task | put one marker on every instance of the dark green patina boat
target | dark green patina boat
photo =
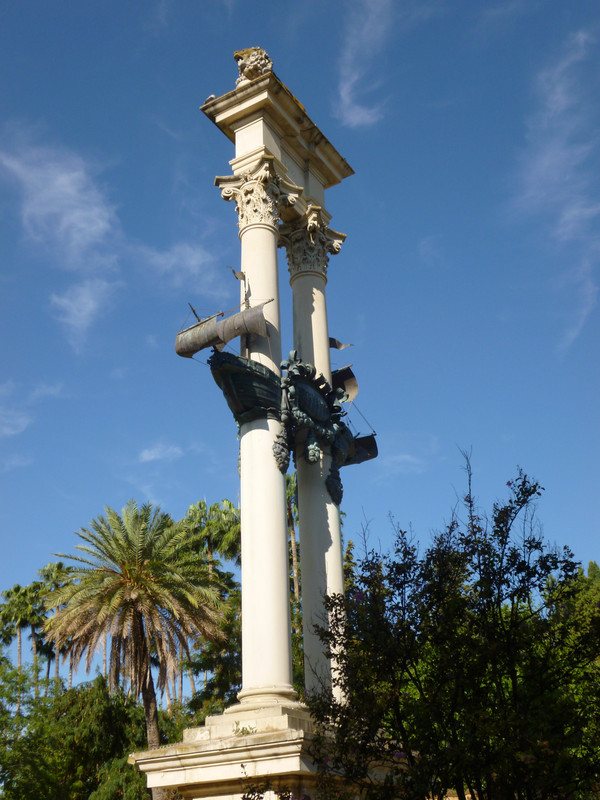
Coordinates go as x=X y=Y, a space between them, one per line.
x=252 y=390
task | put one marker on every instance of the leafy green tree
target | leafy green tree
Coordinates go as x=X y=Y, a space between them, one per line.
x=593 y=572
x=349 y=568
x=140 y=579
x=472 y=668
x=70 y=746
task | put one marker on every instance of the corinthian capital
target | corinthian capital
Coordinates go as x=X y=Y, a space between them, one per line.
x=309 y=243
x=259 y=194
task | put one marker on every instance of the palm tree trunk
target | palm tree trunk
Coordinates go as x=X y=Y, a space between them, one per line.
x=56 y=654
x=152 y=731
x=181 y=655
x=168 y=691
x=19 y=669
x=191 y=677
x=36 y=677
x=294 y=549
x=47 y=675
x=104 y=646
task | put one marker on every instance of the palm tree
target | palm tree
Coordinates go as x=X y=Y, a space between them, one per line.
x=36 y=616
x=22 y=608
x=54 y=576
x=13 y=614
x=138 y=578
x=217 y=527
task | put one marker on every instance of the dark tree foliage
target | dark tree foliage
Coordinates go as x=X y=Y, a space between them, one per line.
x=72 y=745
x=472 y=668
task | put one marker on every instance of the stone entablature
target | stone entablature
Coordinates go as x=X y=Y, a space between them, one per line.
x=263 y=117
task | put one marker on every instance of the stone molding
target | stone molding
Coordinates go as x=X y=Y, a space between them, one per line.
x=232 y=753
x=309 y=242
x=259 y=194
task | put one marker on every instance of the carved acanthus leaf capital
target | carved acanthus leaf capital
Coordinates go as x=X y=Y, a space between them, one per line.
x=309 y=242
x=259 y=194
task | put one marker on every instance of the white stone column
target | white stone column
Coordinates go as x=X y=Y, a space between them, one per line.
x=266 y=631
x=309 y=244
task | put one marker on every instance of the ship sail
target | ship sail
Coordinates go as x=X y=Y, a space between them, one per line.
x=216 y=332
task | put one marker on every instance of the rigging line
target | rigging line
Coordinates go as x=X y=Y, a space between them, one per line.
x=363 y=416
x=199 y=361
x=236 y=307
x=185 y=322
x=352 y=425
x=187 y=317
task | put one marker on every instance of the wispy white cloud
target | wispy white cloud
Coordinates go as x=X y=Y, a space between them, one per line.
x=585 y=287
x=368 y=27
x=13 y=421
x=429 y=251
x=495 y=18
x=16 y=405
x=405 y=463
x=366 y=30
x=557 y=179
x=66 y=212
x=185 y=265
x=81 y=305
x=43 y=390
x=408 y=453
x=159 y=16
x=63 y=206
x=7 y=388
x=173 y=134
x=14 y=461
x=160 y=452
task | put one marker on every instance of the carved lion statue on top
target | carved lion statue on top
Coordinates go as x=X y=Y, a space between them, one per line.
x=252 y=63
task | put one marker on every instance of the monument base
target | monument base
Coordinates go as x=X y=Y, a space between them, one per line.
x=240 y=751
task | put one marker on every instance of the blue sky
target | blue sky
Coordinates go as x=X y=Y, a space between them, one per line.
x=468 y=283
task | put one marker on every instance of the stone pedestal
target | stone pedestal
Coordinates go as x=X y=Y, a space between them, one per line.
x=266 y=749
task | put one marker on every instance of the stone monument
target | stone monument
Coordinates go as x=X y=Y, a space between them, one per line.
x=282 y=166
